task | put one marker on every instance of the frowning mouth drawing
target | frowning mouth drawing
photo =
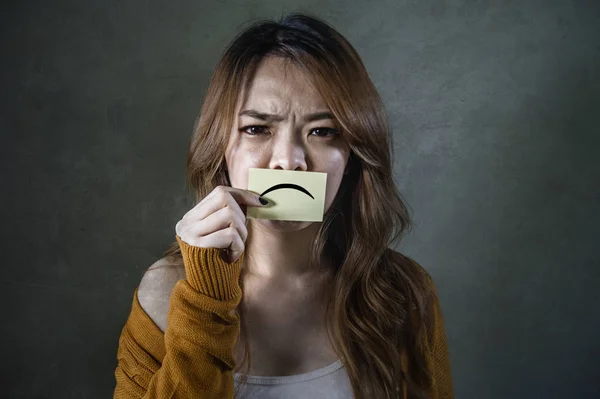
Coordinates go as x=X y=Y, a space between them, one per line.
x=287 y=185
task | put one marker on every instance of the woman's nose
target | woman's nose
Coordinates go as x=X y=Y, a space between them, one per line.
x=289 y=151
x=289 y=157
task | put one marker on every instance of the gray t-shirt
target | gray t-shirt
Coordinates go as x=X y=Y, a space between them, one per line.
x=329 y=382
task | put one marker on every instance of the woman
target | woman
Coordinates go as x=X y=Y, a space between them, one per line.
x=325 y=305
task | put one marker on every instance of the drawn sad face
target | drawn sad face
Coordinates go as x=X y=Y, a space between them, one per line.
x=293 y=195
x=287 y=185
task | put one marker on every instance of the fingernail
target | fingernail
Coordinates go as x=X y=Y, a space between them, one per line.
x=263 y=201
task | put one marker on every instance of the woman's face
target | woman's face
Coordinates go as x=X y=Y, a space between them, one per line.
x=288 y=141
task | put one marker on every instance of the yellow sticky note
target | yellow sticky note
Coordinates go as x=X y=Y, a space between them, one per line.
x=293 y=195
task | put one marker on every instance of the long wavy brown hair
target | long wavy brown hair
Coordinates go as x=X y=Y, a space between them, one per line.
x=375 y=310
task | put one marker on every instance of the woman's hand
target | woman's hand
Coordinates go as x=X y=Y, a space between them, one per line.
x=219 y=221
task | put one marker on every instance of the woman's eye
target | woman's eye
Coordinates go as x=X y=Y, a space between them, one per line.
x=247 y=128
x=325 y=131
x=320 y=132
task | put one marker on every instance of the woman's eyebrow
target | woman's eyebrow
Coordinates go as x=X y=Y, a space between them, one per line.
x=278 y=118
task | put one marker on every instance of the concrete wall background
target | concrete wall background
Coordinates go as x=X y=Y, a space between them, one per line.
x=495 y=116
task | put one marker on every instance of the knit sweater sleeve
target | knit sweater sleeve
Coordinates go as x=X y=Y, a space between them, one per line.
x=194 y=356
x=439 y=359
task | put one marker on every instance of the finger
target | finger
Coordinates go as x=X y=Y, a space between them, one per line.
x=221 y=219
x=222 y=197
x=227 y=238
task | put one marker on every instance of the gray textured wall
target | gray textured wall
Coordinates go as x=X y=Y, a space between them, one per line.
x=495 y=115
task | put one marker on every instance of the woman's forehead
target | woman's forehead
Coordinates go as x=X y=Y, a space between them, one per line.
x=274 y=90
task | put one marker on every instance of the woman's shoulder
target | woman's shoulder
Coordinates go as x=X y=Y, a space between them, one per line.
x=427 y=292
x=412 y=266
x=154 y=290
x=422 y=281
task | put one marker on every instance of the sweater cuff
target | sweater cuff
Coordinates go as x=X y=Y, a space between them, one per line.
x=208 y=273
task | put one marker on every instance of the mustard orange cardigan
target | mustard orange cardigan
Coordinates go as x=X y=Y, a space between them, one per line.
x=193 y=359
